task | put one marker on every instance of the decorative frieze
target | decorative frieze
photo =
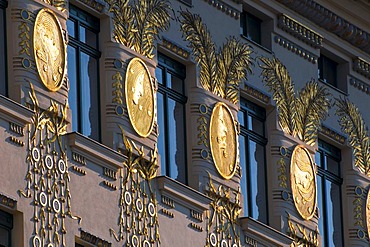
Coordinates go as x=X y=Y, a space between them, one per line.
x=196 y=227
x=360 y=85
x=109 y=185
x=167 y=201
x=79 y=158
x=196 y=215
x=15 y=128
x=332 y=134
x=361 y=66
x=94 y=240
x=175 y=48
x=296 y=49
x=79 y=170
x=8 y=202
x=255 y=93
x=302 y=235
x=332 y=22
x=109 y=173
x=25 y=33
x=299 y=31
x=227 y=9
x=98 y=5
x=250 y=241
x=167 y=213
x=358 y=207
x=16 y=141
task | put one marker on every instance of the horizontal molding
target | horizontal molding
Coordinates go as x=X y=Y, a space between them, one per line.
x=330 y=21
x=227 y=9
x=296 y=49
x=7 y=201
x=300 y=31
x=361 y=66
x=332 y=134
x=255 y=93
x=360 y=85
x=175 y=48
x=93 y=239
x=97 y=5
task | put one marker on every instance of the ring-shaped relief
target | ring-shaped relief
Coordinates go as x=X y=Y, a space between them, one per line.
x=223 y=140
x=368 y=212
x=36 y=241
x=62 y=166
x=224 y=243
x=213 y=239
x=146 y=243
x=56 y=205
x=235 y=245
x=139 y=205
x=35 y=154
x=135 y=241
x=50 y=245
x=151 y=209
x=140 y=97
x=43 y=199
x=49 y=161
x=303 y=182
x=128 y=198
x=49 y=49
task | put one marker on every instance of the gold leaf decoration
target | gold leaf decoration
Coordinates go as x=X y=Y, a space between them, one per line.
x=137 y=25
x=354 y=126
x=220 y=72
x=300 y=115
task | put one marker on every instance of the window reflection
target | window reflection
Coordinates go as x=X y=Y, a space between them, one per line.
x=171 y=118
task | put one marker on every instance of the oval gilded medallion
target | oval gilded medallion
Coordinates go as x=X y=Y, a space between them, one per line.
x=368 y=212
x=49 y=49
x=303 y=182
x=140 y=98
x=223 y=140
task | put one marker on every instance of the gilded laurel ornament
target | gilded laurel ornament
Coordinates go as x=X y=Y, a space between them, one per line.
x=223 y=140
x=140 y=97
x=368 y=213
x=303 y=182
x=49 y=49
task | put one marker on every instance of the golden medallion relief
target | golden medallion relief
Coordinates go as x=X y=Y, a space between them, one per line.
x=368 y=212
x=49 y=49
x=303 y=182
x=223 y=140
x=140 y=99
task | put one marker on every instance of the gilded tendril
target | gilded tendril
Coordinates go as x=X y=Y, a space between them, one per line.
x=300 y=115
x=220 y=72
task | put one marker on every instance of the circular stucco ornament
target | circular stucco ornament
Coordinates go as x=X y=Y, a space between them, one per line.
x=303 y=182
x=140 y=98
x=223 y=140
x=49 y=49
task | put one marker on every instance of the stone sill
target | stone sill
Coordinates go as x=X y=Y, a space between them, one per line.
x=95 y=151
x=13 y=111
x=182 y=194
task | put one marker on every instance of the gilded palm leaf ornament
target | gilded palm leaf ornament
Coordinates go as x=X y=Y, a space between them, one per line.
x=298 y=116
x=352 y=123
x=138 y=24
x=220 y=72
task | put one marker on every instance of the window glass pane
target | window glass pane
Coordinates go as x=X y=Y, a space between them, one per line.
x=241 y=117
x=161 y=138
x=257 y=181
x=2 y=52
x=176 y=140
x=72 y=94
x=318 y=159
x=333 y=216
x=332 y=165
x=88 y=37
x=71 y=28
x=320 y=206
x=175 y=83
x=243 y=182
x=255 y=125
x=158 y=75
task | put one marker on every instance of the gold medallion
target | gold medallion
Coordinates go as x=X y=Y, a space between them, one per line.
x=223 y=140
x=303 y=182
x=140 y=98
x=368 y=212
x=49 y=49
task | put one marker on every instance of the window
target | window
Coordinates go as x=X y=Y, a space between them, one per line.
x=3 y=69
x=328 y=70
x=6 y=226
x=171 y=118
x=329 y=200
x=252 y=143
x=251 y=27
x=83 y=72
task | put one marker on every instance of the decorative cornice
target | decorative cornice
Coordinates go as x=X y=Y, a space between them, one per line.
x=255 y=93
x=333 y=134
x=92 y=239
x=360 y=85
x=196 y=227
x=110 y=185
x=327 y=19
x=16 y=141
x=15 y=128
x=175 y=48
x=97 y=5
x=7 y=201
x=79 y=158
x=168 y=213
x=79 y=170
x=361 y=66
x=227 y=9
x=109 y=173
x=299 y=31
x=296 y=49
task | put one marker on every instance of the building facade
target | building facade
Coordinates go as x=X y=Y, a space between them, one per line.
x=184 y=123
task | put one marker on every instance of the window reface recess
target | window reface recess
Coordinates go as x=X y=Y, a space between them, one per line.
x=3 y=68
x=252 y=144
x=251 y=27
x=328 y=70
x=6 y=225
x=329 y=201
x=83 y=72
x=171 y=101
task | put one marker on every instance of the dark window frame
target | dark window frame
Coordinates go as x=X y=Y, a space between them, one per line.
x=328 y=70
x=326 y=151
x=250 y=23
x=6 y=223
x=80 y=18
x=249 y=109
x=166 y=66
